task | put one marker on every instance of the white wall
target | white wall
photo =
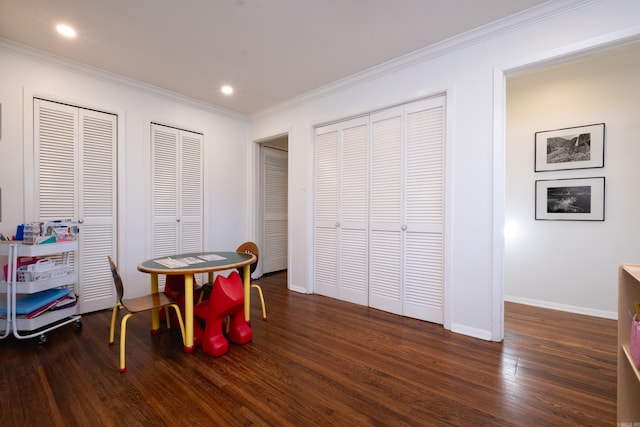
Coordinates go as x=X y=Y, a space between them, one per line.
x=573 y=265
x=225 y=137
x=465 y=71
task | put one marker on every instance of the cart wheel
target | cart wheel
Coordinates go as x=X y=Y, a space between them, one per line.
x=78 y=324
x=42 y=339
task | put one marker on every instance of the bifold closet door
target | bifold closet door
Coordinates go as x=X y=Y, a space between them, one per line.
x=176 y=182
x=406 y=216
x=387 y=198
x=423 y=259
x=379 y=209
x=75 y=178
x=341 y=211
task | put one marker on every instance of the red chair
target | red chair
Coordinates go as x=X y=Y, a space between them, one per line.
x=226 y=300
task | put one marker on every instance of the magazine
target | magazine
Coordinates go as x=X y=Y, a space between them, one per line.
x=170 y=262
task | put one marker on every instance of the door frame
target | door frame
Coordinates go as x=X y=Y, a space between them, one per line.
x=500 y=74
x=29 y=94
x=257 y=198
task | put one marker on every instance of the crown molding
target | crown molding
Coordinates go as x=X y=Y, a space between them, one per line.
x=542 y=12
x=21 y=50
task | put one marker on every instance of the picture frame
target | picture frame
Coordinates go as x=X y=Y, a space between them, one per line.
x=579 y=147
x=572 y=199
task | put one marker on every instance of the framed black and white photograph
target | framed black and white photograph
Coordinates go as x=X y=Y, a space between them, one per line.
x=570 y=148
x=579 y=199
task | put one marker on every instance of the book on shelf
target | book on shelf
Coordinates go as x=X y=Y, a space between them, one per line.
x=37 y=312
x=65 y=302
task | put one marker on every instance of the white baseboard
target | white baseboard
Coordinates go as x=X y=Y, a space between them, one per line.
x=563 y=307
x=472 y=332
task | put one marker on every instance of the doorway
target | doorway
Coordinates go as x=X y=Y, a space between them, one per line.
x=540 y=266
x=273 y=224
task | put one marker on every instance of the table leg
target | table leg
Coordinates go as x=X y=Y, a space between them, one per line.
x=155 y=317
x=188 y=313
x=247 y=293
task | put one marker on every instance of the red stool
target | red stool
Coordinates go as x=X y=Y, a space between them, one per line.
x=226 y=300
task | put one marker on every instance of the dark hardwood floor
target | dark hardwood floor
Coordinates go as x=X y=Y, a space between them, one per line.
x=319 y=362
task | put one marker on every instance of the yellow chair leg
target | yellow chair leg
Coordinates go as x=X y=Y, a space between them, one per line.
x=264 y=309
x=114 y=314
x=123 y=335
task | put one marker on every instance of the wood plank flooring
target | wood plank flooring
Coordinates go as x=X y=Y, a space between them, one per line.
x=319 y=362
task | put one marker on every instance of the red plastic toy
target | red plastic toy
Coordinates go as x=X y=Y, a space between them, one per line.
x=226 y=300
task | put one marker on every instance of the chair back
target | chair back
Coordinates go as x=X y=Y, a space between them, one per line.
x=251 y=248
x=117 y=280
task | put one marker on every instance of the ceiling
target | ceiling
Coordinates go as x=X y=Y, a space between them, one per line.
x=268 y=50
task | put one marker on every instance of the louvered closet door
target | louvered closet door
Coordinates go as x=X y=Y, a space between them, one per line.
x=191 y=192
x=342 y=211
x=326 y=212
x=407 y=190
x=75 y=162
x=354 y=213
x=176 y=176
x=275 y=175
x=385 y=246
x=424 y=210
x=165 y=182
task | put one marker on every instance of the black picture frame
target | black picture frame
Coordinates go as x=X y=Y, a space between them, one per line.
x=570 y=199
x=579 y=147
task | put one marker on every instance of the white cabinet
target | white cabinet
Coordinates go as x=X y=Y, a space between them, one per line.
x=628 y=373
x=13 y=290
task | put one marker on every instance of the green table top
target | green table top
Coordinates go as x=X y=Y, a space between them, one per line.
x=196 y=262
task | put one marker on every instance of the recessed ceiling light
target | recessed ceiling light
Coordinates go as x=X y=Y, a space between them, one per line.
x=226 y=89
x=66 y=30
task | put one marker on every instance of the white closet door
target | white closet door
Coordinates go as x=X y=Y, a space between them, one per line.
x=98 y=201
x=75 y=158
x=424 y=207
x=342 y=211
x=326 y=212
x=191 y=211
x=380 y=186
x=385 y=246
x=275 y=176
x=354 y=265
x=164 y=190
x=176 y=181
x=56 y=160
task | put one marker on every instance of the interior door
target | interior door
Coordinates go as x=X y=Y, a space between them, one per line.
x=164 y=190
x=424 y=211
x=341 y=209
x=353 y=218
x=75 y=167
x=274 y=253
x=191 y=182
x=176 y=176
x=387 y=197
x=326 y=221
